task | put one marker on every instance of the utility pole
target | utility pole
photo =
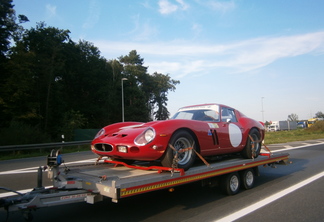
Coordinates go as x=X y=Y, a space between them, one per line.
x=262 y=111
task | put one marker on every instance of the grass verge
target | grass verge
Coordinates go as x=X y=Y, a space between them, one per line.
x=291 y=136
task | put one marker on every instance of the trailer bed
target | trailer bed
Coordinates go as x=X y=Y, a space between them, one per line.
x=120 y=181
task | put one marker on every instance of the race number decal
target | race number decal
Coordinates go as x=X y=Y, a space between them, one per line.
x=235 y=134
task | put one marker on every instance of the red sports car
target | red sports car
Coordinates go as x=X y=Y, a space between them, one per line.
x=209 y=129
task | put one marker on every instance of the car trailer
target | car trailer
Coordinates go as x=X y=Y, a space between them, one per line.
x=115 y=180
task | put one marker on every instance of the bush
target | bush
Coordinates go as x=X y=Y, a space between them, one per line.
x=317 y=127
x=19 y=133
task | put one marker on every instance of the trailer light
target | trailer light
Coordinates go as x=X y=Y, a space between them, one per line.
x=122 y=149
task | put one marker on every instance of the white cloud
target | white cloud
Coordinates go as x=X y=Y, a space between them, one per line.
x=142 y=30
x=165 y=7
x=183 y=5
x=184 y=58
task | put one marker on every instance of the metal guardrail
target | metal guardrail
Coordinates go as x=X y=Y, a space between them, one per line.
x=43 y=145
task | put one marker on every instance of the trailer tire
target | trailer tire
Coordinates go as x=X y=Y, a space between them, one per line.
x=247 y=152
x=247 y=178
x=180 y=140
x=230 y=183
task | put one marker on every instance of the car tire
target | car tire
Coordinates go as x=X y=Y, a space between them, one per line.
x=180 y=140
x=247 y=152
x=247 y=178
x=230 y=183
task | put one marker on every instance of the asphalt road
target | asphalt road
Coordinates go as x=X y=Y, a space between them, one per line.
x=288 y=193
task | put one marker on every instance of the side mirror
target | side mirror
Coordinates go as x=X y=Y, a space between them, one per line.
x=228 y=120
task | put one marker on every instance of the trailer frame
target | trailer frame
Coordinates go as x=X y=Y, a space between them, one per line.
x=92 y=183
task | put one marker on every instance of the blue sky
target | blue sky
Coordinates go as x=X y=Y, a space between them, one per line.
x=245 y=54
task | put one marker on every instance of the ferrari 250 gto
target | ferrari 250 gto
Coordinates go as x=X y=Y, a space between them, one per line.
x=207 y=129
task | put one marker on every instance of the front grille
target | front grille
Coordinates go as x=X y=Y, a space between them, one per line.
x=103 y=147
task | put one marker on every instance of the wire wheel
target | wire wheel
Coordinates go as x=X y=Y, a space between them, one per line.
x=180 y=153
x=181 y=144
x=253 y=145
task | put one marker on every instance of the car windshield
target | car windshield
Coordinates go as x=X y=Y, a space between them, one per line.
x=202 y=115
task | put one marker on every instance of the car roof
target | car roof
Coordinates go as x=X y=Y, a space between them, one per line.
x=212 y=106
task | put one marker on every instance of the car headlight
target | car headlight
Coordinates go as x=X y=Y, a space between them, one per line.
x=145 y=137
x=100 y=133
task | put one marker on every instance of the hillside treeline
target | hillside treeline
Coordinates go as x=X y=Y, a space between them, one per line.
x=51 y=85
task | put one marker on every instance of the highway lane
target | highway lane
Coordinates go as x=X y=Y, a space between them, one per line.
x=193 y=203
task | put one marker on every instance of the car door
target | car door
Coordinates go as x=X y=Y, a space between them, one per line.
x=230 y=131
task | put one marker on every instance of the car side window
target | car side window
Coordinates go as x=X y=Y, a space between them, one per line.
x=228 y=114
x=206 y=115
x=213 y=115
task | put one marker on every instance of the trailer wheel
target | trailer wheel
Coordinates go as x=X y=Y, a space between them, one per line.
x=253 y=147
x=247 y=178
x=180 y=140
x=230 y=183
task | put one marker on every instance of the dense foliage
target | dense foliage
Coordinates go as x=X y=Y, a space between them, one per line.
x=51 y=85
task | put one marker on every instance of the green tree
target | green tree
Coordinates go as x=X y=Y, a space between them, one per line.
x=56 y=85
x=161 y=84
x=319 y=114
x=88 y=84
x=114 y=88
x=136 y=97
x=9 y=28
x=72 y=120
x=48 y=44
x=147 y=94
x=33 y=92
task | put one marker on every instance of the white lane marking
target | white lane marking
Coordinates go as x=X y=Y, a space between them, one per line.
x=34 y=169
x=270 y=199
x=298 y=147
x=24 y=170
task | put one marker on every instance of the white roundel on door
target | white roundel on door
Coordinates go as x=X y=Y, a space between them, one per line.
x=235 y=134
